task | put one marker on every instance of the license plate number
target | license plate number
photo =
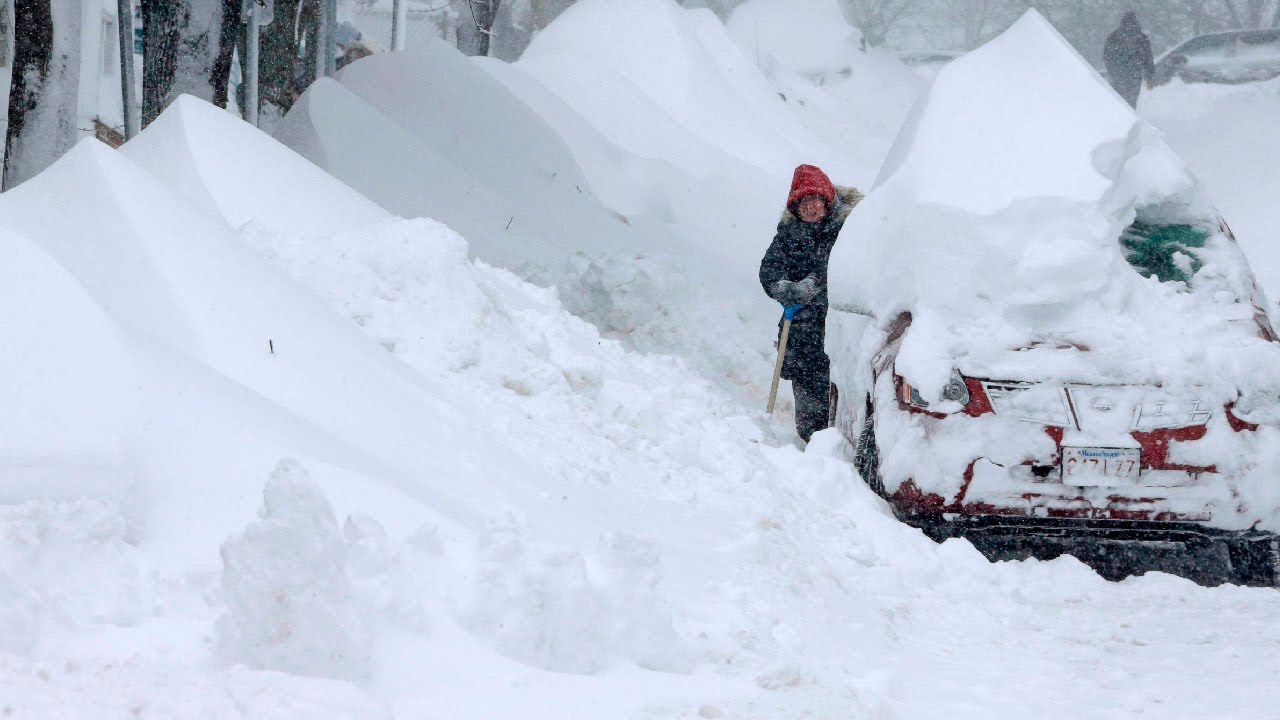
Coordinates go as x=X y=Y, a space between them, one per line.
x=1100 y=466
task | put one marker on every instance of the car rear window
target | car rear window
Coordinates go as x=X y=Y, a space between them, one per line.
x=1169 y=252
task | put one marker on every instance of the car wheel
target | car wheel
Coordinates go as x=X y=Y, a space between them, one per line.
x=866 y=456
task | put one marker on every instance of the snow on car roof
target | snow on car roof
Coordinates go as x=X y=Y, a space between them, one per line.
x=997 y=222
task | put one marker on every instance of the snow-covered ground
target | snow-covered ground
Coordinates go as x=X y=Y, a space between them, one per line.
x=279 y=454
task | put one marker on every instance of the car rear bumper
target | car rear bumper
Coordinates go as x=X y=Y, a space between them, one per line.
x=1117 y=548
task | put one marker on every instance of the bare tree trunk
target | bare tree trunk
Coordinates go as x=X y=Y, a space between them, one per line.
x=228 y=39
x=475 y=26
x=32 y=48
x=43 y=92
x=184 y=51
x=161 y=20
x=283 y=74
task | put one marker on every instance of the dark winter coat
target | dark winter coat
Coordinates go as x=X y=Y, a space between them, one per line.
x=800 y=249
x=1128 y=58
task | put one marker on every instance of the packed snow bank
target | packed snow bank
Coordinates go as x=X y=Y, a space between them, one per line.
x=206 y=154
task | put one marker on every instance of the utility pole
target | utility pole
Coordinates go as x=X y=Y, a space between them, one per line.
x=327 y=43
x=128 y=97
x=399 y=22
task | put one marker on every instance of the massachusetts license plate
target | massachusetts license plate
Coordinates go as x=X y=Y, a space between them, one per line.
x=1100 y=466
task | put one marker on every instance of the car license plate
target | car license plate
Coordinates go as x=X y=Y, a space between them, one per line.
x=1100 y=466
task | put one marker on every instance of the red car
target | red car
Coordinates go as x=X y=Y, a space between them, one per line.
x=1008 y=463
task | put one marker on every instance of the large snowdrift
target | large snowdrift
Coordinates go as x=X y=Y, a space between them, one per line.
x=630 y=276
x=203 y=316
x=853 y=98
x=683 y=62
x=485 y=165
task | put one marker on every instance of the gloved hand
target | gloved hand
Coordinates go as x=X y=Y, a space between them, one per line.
x=794 y=293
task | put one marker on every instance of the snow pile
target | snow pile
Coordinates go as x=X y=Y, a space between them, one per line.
x=853 y=98
x=398 y=131
x=207 y=365
x=65 y=563
x=1049 y=215
x=198 y=150
x=290 y=604
x=810 y=37
x=685 y=64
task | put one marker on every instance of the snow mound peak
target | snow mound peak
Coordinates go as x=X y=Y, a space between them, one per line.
x=204 y=152
x=1022 y=117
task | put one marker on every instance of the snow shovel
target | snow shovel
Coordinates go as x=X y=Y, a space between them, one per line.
x=787 y=313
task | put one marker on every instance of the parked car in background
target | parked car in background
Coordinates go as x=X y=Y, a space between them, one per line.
x=927 y=63
x=1237 y=56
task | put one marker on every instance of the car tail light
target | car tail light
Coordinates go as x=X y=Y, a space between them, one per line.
x=1237 y=424
x=955 y=391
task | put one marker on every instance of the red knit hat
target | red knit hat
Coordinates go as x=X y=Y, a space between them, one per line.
x=809 y=180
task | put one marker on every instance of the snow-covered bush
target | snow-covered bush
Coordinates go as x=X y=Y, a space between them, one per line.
x=290 y=604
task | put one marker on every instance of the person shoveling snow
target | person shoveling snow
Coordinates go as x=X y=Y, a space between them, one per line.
x=794 y=272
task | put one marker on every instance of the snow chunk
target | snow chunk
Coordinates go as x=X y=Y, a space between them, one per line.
x=227 y=165
x=290 y=603
x=66 y=562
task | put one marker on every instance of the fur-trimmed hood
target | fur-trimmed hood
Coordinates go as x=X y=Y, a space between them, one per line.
x=847 y=198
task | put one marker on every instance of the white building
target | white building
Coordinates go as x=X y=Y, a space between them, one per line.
x=100 y=93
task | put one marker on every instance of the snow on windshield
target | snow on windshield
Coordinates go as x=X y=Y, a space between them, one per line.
x=997 y=221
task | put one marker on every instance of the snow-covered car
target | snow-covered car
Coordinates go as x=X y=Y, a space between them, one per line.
x=1237 y=56
x=927 y=63
x=1070 y=353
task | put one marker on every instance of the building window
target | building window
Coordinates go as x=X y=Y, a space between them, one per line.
x=110 y=45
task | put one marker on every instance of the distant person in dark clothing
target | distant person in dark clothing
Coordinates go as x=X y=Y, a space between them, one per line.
x=794 y=272
x=1128 y=58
